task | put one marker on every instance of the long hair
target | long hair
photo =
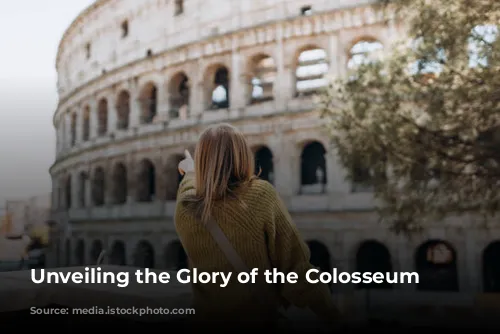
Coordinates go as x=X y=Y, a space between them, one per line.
x=224 y=165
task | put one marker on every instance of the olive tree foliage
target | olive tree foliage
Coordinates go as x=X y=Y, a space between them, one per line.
x=424 y=118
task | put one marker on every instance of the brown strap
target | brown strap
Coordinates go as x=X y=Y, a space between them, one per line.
x=226 y=246
x=233 y=257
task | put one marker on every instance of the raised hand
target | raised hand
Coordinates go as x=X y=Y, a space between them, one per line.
x=187 y=164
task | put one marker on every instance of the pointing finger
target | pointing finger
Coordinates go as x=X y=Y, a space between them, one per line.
x=187 y=154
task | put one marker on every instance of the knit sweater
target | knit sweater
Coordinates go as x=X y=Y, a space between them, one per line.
x=264 y=236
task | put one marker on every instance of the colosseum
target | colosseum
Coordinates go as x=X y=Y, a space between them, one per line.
x=139 y=80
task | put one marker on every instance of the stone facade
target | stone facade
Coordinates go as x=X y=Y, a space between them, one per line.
x=136 y=82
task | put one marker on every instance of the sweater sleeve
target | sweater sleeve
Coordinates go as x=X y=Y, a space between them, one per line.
x=186 y=186
x=289 y=253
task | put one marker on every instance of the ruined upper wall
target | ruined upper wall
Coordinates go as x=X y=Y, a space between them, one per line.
x=95 y=43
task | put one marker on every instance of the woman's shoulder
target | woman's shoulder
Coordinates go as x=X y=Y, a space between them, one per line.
x=262 y=188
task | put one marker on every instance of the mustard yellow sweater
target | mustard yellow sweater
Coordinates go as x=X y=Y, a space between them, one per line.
x=265 y=237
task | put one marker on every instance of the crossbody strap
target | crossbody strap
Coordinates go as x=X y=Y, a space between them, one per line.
x=232 y=255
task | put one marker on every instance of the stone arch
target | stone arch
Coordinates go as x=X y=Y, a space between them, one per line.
x=217 y=94
x=95 y=250
x=262 y=75
x=68 y=191
x=436 y=265
x=120 y=180
x=172 y=176
x=373 y=256
x=80 y=252
x=73 y=128
x=146 y=185
x=148 y=99
x=491 y=268
x=144 y=255
x=363 y=50
x=123 y=110
x=98 y=186
x=312 y=66
x=264 y=166
x=179 y=93
x=313 y=168
x=102 y=117
x=86 y=123
x=118 y=255
x=175 y=256
x=320 y=256
x=82 y=189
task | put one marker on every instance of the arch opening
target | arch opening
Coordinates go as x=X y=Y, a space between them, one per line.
x=372 y=257
x=436 y=266
x=179 y=96
x=219 y=94
x=98 y=187
x=68 y=192
x=149 y=103
x=491 y=268
x=123 y=110
x=262 y=78
x=86 y=124
x=120 y=188
x=175 y=256
x=118 y=254
x=80 y=253
x=95 y=251
x=264 y=166
x=311 y=71
x=172 y=176
x=102 y=117
x=313 y=169
x=146 y=191
x=144 y=255
x=364 y=52
x=73 y=128
x=82 y=189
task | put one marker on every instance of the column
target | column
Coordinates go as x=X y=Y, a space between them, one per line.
x=135 y=106
x=112 y=114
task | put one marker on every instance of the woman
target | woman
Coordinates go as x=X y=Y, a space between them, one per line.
x=220 y=184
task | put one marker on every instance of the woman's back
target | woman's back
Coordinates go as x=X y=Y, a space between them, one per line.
x=220 y=186
x=245 y=224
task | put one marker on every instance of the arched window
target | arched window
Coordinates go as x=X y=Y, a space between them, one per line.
x=68 y=189
x=363 y=52
x=372 y=257
x=172 y=176
x=144 y=255
x=179 y=96
x=313 y=171
x=436 y=265
x=118 y=256
x=123 y=110
x=82 y=189
x=264 y=164
x=86 y=124
x=175 y=256
x=95 y=251
x=146 y=181
x=120 y=189
x=312 y=67
x=219 y=94
x=263 y=75
x=98 y=187
x=491 y=268
x=102 y=120
x=73 y=128
x=149 y=103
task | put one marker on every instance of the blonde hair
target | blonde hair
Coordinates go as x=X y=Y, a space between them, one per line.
x=224 y=164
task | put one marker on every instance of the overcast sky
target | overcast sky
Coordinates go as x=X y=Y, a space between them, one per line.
x=30 y=31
